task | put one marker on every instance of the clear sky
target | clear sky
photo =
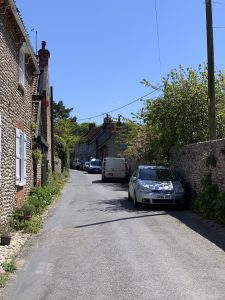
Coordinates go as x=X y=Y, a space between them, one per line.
x=102 y=49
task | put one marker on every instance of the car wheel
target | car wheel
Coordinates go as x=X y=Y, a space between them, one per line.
x=129 y=196
x=136 y=204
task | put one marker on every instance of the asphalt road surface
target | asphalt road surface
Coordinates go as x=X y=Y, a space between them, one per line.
x=94 y=245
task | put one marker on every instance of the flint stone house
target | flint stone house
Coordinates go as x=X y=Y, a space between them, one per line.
x=100 y=141
x=18 y=67
x=42 y=120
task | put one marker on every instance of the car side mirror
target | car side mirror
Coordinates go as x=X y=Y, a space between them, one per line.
x=134 y=178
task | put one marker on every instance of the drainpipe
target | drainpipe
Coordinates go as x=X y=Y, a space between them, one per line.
x=52 y=132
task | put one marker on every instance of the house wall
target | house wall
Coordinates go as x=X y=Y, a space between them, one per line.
x=191 y=163
x=15 y=109
x=47 y=114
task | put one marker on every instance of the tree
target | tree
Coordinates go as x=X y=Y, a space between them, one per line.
x=179 y=115
x=61 y=112
x=66 y=131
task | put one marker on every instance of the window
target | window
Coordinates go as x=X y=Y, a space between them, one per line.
x=22 y=67
x=21 y=157
x=0 y=145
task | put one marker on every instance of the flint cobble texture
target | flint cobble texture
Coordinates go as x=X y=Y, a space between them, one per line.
x=15 y=109
x=191 y=163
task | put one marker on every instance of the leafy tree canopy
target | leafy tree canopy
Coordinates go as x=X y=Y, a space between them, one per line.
x=61 y=112
x=178 y=116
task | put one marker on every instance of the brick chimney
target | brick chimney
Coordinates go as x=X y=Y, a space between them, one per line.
x=43 y=55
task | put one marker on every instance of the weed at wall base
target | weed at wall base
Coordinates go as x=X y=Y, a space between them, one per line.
x=28 y=218
x=210 y=203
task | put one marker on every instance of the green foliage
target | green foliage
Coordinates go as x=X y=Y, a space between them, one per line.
x=33 y=126
x=36 y=155
x=207 y=180
x=210 y=203
x=60 y=111
x=3 y=280
x=220 y=208
x=64 y=139
x=211 y=160
x=179 y=115
x=66 y=132
x=205 y=203
x=27 y=218
x=10 y=266
x=31 y=226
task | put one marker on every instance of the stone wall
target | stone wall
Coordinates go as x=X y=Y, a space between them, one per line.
x=15 y=109
x=194 y=162
x=58 y=165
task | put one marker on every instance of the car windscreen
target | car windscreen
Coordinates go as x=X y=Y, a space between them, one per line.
x=96 y=163
x=157 y=174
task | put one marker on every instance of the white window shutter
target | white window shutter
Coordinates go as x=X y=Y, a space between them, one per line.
x=18 y=156
x=24 y=158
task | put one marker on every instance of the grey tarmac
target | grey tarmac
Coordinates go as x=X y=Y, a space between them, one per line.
x=95 y=245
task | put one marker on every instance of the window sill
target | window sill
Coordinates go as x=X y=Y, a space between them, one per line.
x=20 y=184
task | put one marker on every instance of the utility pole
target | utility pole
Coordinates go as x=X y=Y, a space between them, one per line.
x=211 y=76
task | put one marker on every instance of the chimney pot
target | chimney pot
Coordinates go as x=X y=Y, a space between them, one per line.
x=43 y=43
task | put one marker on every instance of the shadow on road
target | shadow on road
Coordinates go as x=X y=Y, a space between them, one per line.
x=210 y=230
x=115 y=186
x=119 y=219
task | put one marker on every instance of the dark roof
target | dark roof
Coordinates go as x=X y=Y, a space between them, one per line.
x=38 y=84
x=91 y=136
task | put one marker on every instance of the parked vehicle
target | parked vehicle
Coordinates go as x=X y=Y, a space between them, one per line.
x=77 y=164
x=155 y=185
x=86 y=165
x=95 y=166
x=114 y=168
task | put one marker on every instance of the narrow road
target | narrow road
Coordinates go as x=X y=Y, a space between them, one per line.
x=94 y=245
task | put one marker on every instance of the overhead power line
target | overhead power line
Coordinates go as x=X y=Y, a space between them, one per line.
x=157 y=31
x=108 y=112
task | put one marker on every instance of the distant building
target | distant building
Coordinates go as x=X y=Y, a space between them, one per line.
x=100 y=141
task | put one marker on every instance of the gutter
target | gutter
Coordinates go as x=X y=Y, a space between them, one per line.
x=24 y=33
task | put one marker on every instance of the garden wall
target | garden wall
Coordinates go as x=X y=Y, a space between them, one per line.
x=194 y=162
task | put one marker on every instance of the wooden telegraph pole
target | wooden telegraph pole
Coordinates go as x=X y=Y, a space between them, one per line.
x=211 y=76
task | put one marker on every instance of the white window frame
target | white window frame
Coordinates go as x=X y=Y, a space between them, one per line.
x=0 y=146
x=22 y=67
x=21 y=157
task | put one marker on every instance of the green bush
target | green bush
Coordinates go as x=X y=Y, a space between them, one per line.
x=220 y=208
x=210 y=204
x=10 y=266
x=27 y=218
x=205 y=203
x=3 y=280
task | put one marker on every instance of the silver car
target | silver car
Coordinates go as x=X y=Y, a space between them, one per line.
x=155 y=185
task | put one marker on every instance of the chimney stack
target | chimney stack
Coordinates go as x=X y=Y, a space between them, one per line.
x=43 y=55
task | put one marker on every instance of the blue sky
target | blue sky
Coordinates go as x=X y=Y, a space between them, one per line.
x=102 y=49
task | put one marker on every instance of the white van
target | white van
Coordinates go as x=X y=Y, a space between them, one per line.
x=114 y=168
